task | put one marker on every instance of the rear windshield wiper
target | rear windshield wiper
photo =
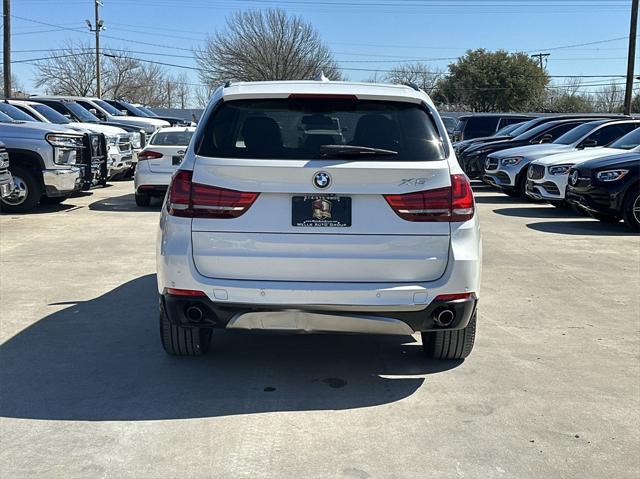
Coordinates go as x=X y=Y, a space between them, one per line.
x=329 y=151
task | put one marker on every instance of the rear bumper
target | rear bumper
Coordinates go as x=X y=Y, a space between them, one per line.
x=308 y=319
x=409 y=303
x=152 y=182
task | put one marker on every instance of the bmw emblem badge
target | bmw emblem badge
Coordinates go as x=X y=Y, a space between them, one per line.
x=321 y=180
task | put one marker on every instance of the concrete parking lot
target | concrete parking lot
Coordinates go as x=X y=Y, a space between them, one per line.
x=552 y=388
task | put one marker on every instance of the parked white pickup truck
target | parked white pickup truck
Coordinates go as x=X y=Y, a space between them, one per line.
x=48 y=163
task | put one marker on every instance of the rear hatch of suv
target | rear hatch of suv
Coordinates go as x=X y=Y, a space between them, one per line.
x=363 y=196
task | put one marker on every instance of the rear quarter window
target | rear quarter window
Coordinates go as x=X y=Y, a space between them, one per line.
x=478 y=126
x=298 y=128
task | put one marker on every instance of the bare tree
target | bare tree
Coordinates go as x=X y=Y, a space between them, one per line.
x=121 y=76
x=424 y=76
x=181 y=90
x=151 y=90
x=17 y=88
x=265 y=45
x=610 y=98
x=72 y=71
x=202 y=95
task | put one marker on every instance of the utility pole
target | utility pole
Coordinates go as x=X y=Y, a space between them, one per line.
x=6 y=45
x=633 y=31
x=99 y=25
x=541 y=57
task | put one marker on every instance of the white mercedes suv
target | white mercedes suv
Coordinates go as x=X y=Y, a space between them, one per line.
x=319 y=206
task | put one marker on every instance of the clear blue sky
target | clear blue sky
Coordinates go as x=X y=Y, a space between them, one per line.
x=364 y=34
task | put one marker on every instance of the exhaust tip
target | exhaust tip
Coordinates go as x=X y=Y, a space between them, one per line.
x=194 y=314
x=444 y=317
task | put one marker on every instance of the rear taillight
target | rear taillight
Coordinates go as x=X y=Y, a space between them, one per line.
x=462 y=206
x=453 y=203
x=149 y=155
x=193 y=200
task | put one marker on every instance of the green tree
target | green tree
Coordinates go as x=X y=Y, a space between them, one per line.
x=494 y=81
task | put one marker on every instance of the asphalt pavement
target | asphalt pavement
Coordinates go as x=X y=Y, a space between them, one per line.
x=552 y=388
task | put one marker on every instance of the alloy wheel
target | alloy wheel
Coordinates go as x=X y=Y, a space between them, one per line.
x=19 y=194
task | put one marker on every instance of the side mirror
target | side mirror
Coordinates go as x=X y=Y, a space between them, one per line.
x=93 y=111
x=546 y=138
x=124 y=112
x=589 y=144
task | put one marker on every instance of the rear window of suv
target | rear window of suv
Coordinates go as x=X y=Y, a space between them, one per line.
x=302 y=128
x=478 y=126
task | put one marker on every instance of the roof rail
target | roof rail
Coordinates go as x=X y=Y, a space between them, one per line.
x=412 y=85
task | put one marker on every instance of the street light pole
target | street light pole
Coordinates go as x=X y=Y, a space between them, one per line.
x=6 y=45
x=99 y=25
x=633 y=31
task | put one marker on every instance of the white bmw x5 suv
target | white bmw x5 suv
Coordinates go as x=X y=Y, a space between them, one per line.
x=319 y=206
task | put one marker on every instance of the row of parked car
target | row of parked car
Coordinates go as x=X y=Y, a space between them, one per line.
x=51 y=147
x=588 y=162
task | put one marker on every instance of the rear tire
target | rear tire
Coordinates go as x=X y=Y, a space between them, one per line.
x=455 y=344
x=179 y=341
x=143 y=199
x=27 y=193
x=631 y=211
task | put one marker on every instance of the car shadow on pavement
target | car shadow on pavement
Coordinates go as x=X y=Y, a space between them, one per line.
x=538 y=212
x=125 y=203
x=479 y=186
x=583 y=227
x=43 y=209
x=101 y=360
x=500 y=199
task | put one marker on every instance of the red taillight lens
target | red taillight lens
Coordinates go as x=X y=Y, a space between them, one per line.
x=462 y=206
x=432 y=205
x=453 y=297
x=193 y=200
x=454 y=203
x=149 y=155
x=180 y=194
x=212 y=202
x=185 y=292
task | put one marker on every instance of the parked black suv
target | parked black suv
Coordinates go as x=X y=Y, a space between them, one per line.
x=484 y=124
x=608 y=188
